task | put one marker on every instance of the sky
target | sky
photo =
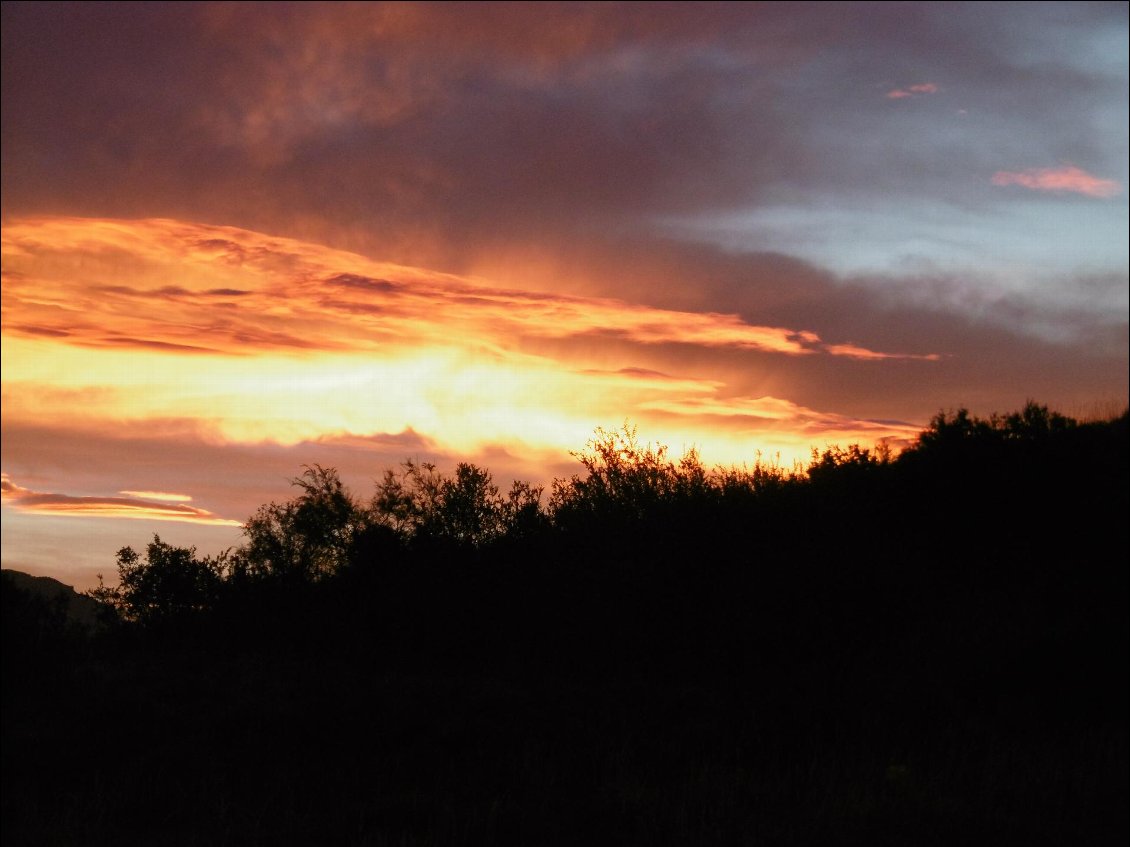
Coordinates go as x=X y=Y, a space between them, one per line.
x=241 y=238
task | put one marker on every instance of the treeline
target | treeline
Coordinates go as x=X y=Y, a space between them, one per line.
x=927 y=648
x=992 y=479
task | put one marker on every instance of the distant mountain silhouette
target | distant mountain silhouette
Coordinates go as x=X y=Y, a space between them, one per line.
x=79 y=608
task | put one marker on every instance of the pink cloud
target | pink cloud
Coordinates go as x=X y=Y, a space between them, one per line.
x=1066 y=178
x=158 y=508
x=854 y=352
x=911 y=90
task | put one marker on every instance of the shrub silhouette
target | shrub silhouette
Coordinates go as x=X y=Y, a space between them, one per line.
x=169 y=585
x=305 y=539
x=626 y=480
x=425 y=507
x=1033 y=423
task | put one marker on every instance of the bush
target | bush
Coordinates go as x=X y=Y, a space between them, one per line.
x=169 y=585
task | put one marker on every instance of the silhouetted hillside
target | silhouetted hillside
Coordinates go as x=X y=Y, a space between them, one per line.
x=922 y=649
x=79 y=608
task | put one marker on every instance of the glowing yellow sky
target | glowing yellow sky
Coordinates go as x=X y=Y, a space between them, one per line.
x=253 y=339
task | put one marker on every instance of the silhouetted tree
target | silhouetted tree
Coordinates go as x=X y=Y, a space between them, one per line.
x=625 y=478
x=849 y=463
x=304 y=539
x=522 y=512
x=1032 y=423
x=470 y=507
x=405 y=501
x=169 y=584
x=424 y=506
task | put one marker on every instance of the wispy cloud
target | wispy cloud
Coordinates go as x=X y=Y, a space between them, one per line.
x=912 y=90
x=158 y=495
x=155 y=508
x=754 y=415
x=1067 y=178
x=854 y=352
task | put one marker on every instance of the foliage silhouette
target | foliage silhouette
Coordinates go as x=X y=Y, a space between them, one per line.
x=1032 y=423
x=924 y=648
x=305 y=539
x=625 y=479
x=168 y=586
x=422 y=505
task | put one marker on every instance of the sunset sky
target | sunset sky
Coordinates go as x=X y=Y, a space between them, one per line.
x=241 y=238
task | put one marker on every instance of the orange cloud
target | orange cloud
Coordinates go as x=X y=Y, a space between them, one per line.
x=1067 y=178
x=158 y=495
x=168 y=286
x=34 y=502
x=256 y=338
x=911 y=90
x=240 y=293
x=854 y=352
x=768 y=413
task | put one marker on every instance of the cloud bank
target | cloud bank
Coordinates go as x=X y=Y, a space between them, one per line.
x=259 y=338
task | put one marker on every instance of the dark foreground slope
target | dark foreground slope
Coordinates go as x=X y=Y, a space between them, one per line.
x=926 y=651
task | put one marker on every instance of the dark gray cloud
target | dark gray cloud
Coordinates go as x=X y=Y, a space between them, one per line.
x=456 y=123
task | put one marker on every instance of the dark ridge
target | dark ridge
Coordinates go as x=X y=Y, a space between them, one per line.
x=78 y=608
